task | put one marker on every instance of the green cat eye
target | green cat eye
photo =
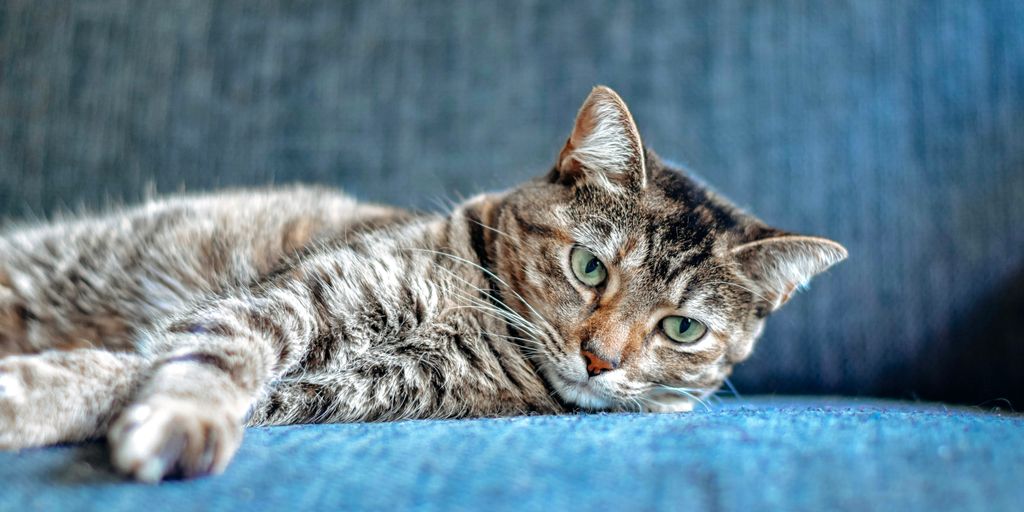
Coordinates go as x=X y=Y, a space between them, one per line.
x=682 y=329
x=588 y=269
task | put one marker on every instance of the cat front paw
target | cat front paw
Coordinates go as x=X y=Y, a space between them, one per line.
x=173 y=438
x=668 y=403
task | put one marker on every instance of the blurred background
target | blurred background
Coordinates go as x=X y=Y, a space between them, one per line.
x=896 y=128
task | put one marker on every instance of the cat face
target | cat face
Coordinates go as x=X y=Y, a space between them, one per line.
x=641 y=289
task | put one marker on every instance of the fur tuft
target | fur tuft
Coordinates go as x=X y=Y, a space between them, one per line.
x=605 y=144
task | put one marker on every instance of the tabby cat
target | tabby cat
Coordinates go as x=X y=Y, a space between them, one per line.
x=611 y=283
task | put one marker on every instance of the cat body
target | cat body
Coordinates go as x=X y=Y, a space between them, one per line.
x=169 y=326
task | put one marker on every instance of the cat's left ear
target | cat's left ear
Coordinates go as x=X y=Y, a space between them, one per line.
x=605 y=146
x=780 y=265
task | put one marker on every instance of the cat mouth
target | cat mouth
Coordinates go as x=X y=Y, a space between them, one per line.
x=584 y=394
x=572 y=387
x=594 y=395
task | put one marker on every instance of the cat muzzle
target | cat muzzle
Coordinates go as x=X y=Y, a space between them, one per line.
x=596 y=365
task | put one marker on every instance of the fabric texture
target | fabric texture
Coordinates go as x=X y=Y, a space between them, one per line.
x=752 y=454
x=892 y=127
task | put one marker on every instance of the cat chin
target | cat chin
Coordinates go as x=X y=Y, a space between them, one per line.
x=674 y=404
x=585 y=398
x=597 y=394
x=581 y=394
x=588 y=395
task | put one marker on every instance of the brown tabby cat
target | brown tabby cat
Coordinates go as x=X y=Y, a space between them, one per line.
x=613 y=282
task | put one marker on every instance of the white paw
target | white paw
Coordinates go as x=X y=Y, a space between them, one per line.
x=173 y=438
x=667 y=402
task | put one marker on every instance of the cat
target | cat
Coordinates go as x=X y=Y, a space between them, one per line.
x=613 y=282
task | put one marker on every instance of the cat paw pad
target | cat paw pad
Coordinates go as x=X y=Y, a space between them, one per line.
x=152 y=442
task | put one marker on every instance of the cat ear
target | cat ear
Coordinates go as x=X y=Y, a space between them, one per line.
x=779 y=265
x=604 y=146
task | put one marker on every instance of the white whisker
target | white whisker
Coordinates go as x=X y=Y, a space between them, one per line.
x=687 y=392
x=488 y=272
x=496 y=230
x=737 y=285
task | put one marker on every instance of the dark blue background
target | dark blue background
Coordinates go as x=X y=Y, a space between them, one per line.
x=896 y=128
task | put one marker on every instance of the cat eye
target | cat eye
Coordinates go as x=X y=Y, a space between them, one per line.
x=681 y=329
x=587 y=268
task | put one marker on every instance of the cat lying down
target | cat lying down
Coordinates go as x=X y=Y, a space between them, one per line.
x=610 y=283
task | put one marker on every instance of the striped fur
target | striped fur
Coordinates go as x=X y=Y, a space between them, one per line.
x=169 y=326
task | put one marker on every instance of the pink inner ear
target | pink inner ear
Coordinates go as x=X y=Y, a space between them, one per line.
x=566 y=163
x=778 y=265
x=582 y=129
x=604 y=143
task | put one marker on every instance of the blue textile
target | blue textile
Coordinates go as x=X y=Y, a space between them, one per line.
x=754 y=454
x=892 y=127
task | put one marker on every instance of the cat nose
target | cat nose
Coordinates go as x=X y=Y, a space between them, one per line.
x=596 y=365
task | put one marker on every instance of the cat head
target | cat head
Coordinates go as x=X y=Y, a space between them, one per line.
x=636 y=285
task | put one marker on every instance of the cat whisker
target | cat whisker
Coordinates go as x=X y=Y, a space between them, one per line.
x=444 y=203
x=511 y=317
x=636 y=403
x=535 y=344
x=499 y=315
x=533 y=348
x=490 y=296
x=489 y=273
x=642 y=400
x=687 y=392
x=517 y=338
x=732 y=389
x=745 y=288
x=538 y=332
x=496 y=230
x=506 y=312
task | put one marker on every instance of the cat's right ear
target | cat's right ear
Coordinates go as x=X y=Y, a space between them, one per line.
x=604 y=147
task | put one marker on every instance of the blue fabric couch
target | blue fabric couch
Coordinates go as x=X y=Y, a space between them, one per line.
x=750 y=454
x=892 y=127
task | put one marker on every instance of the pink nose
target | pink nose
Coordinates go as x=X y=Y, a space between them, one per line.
x=595 y=364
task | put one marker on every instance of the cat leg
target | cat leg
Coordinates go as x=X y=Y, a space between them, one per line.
x=12 y=318
x=186 y=420
x=59 y=396
x=209 y=367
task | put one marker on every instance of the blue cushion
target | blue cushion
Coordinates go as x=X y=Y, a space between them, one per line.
x=892 y=127
x=751 y=454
